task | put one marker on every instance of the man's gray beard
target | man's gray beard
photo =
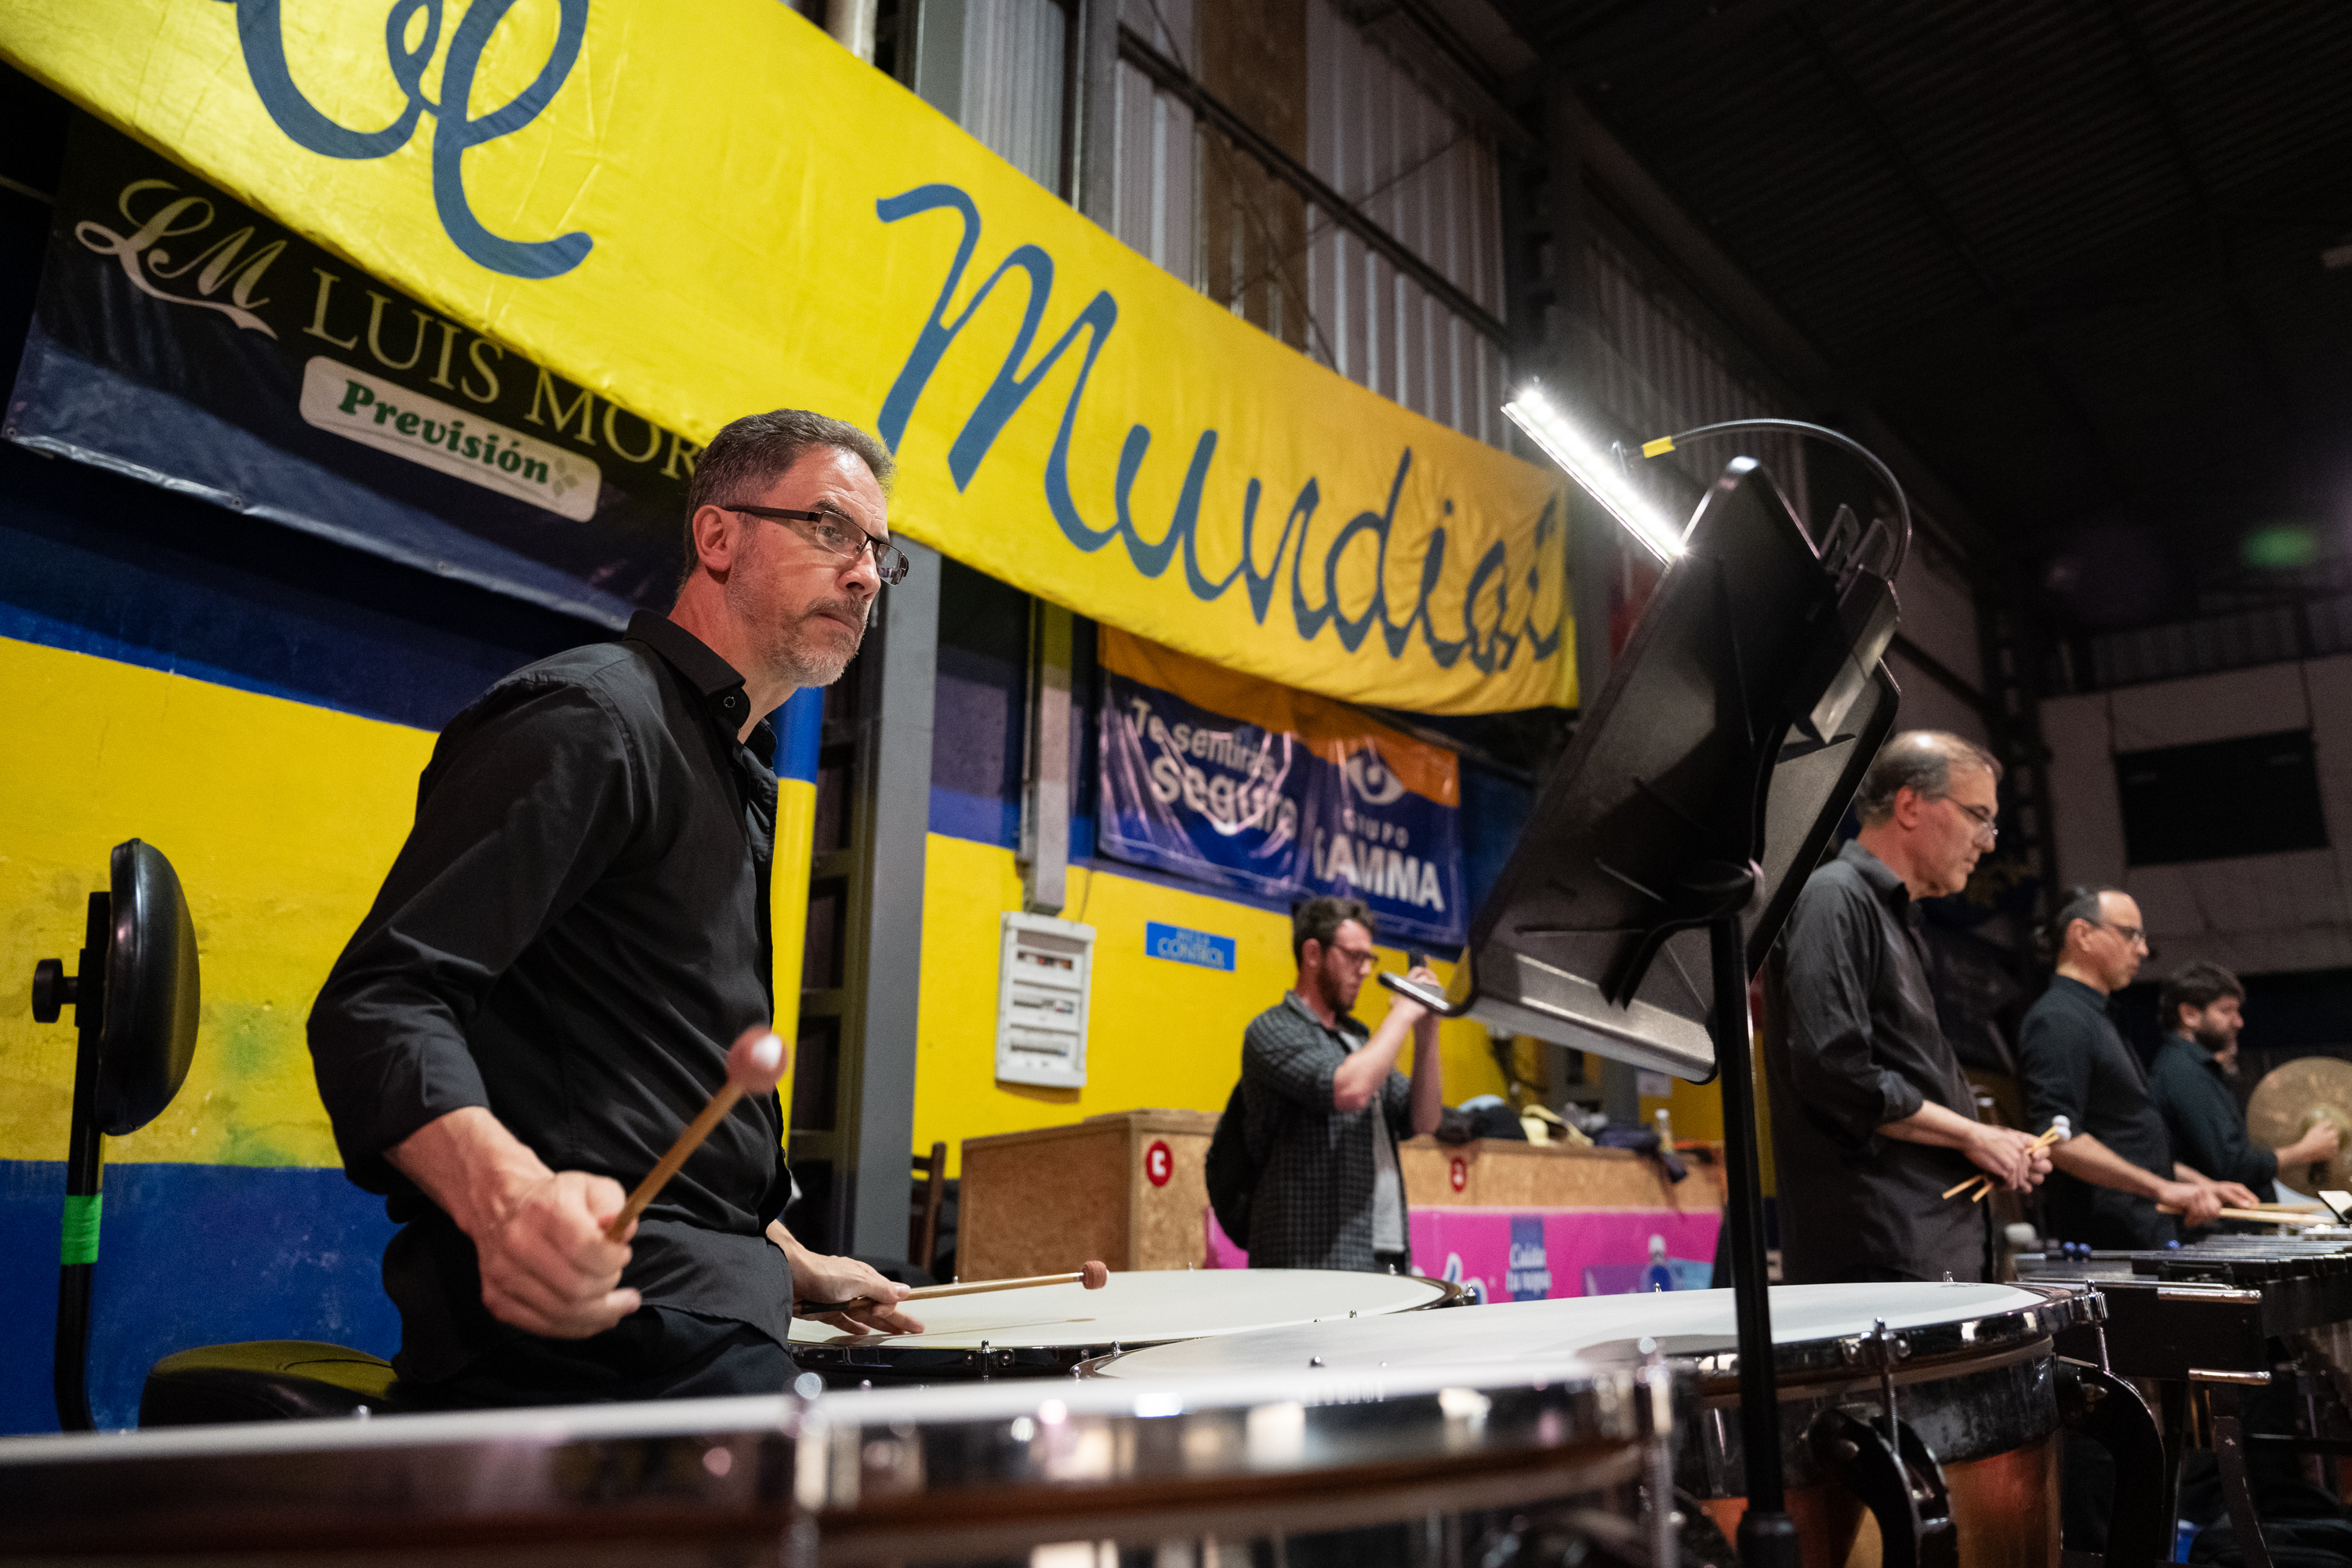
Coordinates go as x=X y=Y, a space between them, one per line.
x=804 y=663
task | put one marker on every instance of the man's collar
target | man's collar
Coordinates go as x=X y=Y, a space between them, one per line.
x=2194 y=1047
x=1299 y=1003
x=721 y=686
x=1874 y=871
x=2091 y=994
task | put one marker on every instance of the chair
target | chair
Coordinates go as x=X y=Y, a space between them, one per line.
x=923 y=1212
x=135 y=1002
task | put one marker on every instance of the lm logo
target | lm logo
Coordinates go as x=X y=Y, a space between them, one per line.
x=412 y=35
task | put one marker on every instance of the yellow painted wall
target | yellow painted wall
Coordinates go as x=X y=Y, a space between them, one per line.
x=281 y=818
x=1160 y=1034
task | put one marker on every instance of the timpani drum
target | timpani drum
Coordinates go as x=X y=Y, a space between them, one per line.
x=1048 y=1330
x=1970 y=1372
x=1531 y=1466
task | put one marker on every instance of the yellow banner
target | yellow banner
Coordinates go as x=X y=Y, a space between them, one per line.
x=697 y=212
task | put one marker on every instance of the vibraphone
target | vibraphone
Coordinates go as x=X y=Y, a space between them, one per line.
x=2208 y=1326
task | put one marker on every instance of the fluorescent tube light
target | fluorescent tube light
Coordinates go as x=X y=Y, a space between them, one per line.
x=1592 y=468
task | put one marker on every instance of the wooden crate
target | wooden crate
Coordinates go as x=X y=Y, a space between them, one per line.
x=1492 y=1173
x=1045 y=1201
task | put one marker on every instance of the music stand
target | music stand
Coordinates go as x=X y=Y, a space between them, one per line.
x=1664 y=852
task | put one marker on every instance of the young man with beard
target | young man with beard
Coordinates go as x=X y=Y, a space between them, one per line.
x=1871 y=1117
x=2202 y=1011
x=2120 y=1166
x=575 y=931
x=1324 y=1102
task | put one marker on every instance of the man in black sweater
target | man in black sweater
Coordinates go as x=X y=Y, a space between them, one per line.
x=2119 y=1170
x=2203 y=1008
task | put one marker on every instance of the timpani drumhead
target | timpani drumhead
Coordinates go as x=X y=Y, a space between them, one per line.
x=1051 y=1328
x=1974 y=1371
x=1688 y=1324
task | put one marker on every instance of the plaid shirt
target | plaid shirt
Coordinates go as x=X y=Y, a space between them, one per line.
x=1313 y=1208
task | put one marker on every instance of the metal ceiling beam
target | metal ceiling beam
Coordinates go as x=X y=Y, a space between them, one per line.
x=1891 y=150
x=1618 y=180
x=2184 y=160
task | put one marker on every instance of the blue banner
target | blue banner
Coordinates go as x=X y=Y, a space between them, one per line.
x=1290 y=798
x=188 y=341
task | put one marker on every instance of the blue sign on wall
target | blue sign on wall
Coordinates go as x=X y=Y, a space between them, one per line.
x=1183 y=946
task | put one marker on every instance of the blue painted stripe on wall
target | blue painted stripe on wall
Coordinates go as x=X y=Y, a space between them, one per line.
x=189 y=1254
x=99 y=563
x=800 y=727
x=982 y=819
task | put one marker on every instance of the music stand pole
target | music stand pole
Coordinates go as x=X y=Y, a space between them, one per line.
x=1768 y=1537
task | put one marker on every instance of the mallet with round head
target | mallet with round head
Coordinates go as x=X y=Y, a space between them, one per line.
x=755 y=1063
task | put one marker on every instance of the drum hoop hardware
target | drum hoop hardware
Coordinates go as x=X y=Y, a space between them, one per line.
x=1718 y=1392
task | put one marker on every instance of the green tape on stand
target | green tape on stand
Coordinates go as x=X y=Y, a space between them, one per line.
x=80 y=1244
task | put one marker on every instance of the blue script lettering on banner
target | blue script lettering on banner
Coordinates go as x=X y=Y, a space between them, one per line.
x=1179 y=944
x=260 y=33
x=1488 y=651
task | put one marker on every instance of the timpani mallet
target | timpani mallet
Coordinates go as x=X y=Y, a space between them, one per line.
x=755 y=1063
x=1094 y=1276
x=2060 y=1131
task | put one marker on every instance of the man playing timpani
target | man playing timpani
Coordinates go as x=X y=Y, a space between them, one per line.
x=546 y=989
x=2119 y=1171
x=1872 y=1118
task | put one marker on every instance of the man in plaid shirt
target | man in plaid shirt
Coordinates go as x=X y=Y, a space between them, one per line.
x=1325 y=1104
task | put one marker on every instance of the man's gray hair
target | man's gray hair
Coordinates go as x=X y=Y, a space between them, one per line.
x=753 y=452
x=1918 y=760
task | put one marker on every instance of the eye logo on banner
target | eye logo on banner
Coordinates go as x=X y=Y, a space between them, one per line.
x=1256 y=788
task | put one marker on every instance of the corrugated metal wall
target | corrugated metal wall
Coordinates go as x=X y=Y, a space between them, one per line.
x=1013 y=82
x=1418 y=170
x=1379 y=138
x=1158 y=146
x=1654 y=371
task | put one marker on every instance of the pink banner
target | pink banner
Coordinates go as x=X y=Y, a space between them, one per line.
x=1525 y=1255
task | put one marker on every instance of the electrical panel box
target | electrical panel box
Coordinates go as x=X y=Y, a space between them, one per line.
x=1043 y=982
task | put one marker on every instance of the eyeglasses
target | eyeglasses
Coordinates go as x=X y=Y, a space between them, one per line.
x=1981 y=816
x=2133 y=935
x=1361 y=959
x=835 y=535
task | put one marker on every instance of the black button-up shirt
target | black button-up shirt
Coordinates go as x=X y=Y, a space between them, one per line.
x=571 y=937
x=2074 y=1064
x=1314 y=1203
x=1861 y=1048
x=2202 y=1117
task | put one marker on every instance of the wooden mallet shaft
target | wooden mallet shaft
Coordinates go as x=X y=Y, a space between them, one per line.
x=1094 y=1277
x=754 y=1065
x=2257 y=1216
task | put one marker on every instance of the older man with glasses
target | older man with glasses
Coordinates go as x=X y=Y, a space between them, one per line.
x=1871 y=1117
x=574 y=935
x=2118 y=1169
